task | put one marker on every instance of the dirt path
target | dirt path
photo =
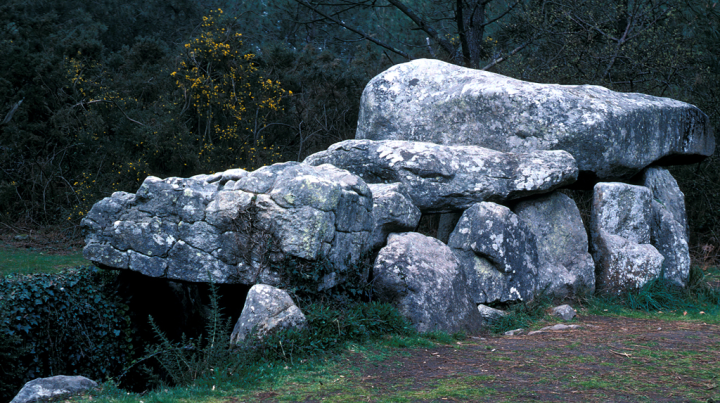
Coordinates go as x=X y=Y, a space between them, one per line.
x=608 y=359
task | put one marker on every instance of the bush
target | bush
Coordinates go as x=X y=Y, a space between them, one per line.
x=70 y=323
x=334 y=316
x=330 y=327
x=190 y=359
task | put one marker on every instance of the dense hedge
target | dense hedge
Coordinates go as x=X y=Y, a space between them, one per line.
x=70 y=323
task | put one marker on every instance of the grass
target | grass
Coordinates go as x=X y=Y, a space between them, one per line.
x=333 y=379
x=375 y=371
x=699 y=301
x=28 y=261
x=553 y=370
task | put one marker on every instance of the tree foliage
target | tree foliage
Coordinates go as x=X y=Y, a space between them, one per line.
x=96 y=96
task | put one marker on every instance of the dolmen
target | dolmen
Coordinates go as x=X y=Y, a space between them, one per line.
x=493 y=159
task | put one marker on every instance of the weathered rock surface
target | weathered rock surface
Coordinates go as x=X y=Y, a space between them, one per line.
x=267 y=309
x=490 y=314
x=609 y=133
x=669 y=224
x=621 y=235
x=230 y=226
x=666 y=191
x=564 y=312
x=566 y=266
x=498 y=253
x=393 y=211
x=422 y=278
x=670 y=239
x=442 y=179
x=46 y=388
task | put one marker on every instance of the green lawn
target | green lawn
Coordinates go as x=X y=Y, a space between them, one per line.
x=28 y=261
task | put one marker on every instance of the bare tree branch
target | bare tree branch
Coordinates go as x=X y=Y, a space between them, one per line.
x=94 y=101
x=506 y=12
x=502 y=59
x=353 y=29
x=12 y=112
x=444 y=43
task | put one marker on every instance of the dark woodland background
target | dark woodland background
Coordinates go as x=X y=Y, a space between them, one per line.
x=95 y=96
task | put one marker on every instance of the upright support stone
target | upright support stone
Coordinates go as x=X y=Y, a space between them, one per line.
x=621 y=234
x=669 y=224
x=422 y=278
x=446 y=226
x=393 y=211
x=267 y=310
x=498 y=253
x=566 y=268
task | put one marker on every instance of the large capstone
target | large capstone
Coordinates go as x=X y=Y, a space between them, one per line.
x=232 y=226
x=566 y=267
x=610 y=134
x=422 y=278
x=498 y=253
x=442 y=179
x=621 y=234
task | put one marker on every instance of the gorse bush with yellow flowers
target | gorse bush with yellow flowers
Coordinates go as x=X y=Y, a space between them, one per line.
x=226 y=98
x=218 y=104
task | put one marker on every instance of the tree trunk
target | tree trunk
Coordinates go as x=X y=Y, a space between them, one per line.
x=470 y=18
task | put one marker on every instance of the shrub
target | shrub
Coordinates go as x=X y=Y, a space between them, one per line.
x=190 y=359
x=330 y=327
x=334 y=316
x=68 y=323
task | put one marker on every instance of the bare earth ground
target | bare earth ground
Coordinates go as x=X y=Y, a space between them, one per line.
x=609 y=359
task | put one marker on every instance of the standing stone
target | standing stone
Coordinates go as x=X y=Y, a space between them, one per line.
x=621 y=235
x=669 y=224
x=670 y=239
x=267 y=309
x=665 y=190
x=566 y=268
x=498 y=253
x=53 y=387
x=441 y=179
x=422 y=278
x=393 y=211
x=609 y=133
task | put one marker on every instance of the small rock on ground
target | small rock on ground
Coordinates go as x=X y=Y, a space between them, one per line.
x=45 y=388
x=564 y=312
